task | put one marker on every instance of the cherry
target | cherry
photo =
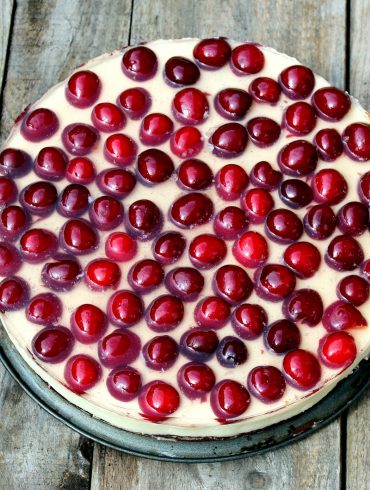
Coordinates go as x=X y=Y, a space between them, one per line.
x=320 y=222
x=165 y=313
x=106 y=213
x=274 y=282
x=44 y=309
x=8 y=191
x=158 y=399
x=282 y=336
x=353 y=218
x=257 y=203
x=82 y=372
x=302 y=369
x=89 y=323
x=329 y=186
x=80 y=170
x=337 y=350
x=295 y=193
x=231 y=352
x=83 y=89
x=39 y=125
x=39 y=198
x=155 y=129
x=124 y=383
x=230 y=223
x=195 y=380
x=108 y=117
x=116 y=182
x=212 y=53
x=13 y=221
x=364 y=188
x=73 y=201
x=62 y=274
x=251 y=249
x=190 y=106
x=299 y=118
x=354 y=289
x=249 y=320
x=186 y=142
x=231 y=180
x=229 y=140
x=191 y=210
x=135 y=102
x=233 y=284
x=51 y=163
x=78 y=237
x=154 y=166
x=341 y=315
x=303 y=258
x=207 y=250
x=297 y=81
x=344 y=253
x=101 y=274
x=139 y=63
x=120 y=247
x=10 y=260
x=169 y=247
x=331 y=103
x=14 y=163
x=233 y=103
x=247 y=59
x=119 y=348
x=180 y=71
x=356 y=141
x=263 y=131
x=229 y=399
x=53 y=344
x=120 y=149
x=80 y=139
x=212 y=312
x=263 y=175
x=125 y=308
x=199 y=344
x=328 y=144
x=304 y=306
x=365 y=270
x=144 y=219
x=160 y=353
x=266 y=383
x=185 y=283
x=194 y=174
x=14 y=293
x=37 y=244
x=145 y=275
x=284 y=226
x=264 y=89
x=298 y=158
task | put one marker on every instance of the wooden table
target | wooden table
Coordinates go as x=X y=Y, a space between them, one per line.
x=41 y=41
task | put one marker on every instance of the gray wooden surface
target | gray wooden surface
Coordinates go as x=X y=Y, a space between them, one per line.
x=41 y=41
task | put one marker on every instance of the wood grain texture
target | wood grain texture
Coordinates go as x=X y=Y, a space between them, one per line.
x=6 y=10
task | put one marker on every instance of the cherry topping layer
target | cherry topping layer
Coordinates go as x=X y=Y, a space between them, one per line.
x=119 y=348
x=266 y=383
x=331 y=103
x=233 y=103
x=298 y=158
x=83 y=89
x=124 y=383
x=207 y=250
x=145 y=275
x=337 y=350
x=356 y=141
x=341 y=315
x=160 y=353
x=328 y=144
x=302 y=369
x=231 y=180
x=229 y=140
x=354 y=289
x=185 y=283
x=53 y=344
x=88 y=323
x=247 y=59
x=195 y=380
x=125 y=308
x=212 y=312
x=297 y=81
x=274 y=282
x=14 y=162
x=135 y=102
x=282 y=336
x=139 y=63
x=159 y=399
x=344 y=253
x=82 y=373
x=199 y=344
x=44 y=309
x=229 y=399
x=190 y=210
x=169 y=247
x=39 y=125
x=165 y=313
x=249 y=320
x=14 y=293
x=194 y=174
x=233 y=284
x=212 y=53
x=180 y=71
x=304 y=306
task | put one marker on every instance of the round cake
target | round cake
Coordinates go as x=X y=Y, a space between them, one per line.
x=185 y=237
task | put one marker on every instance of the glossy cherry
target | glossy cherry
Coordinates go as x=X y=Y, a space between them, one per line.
x=304 y=306
x=186 y=142
x=263 y=175
x=88 y=323
x=251 y=249
x=125 y=308
x=154 y=166
x=295 y=193
x=265 y=89
x=231 y=180
x=169 y=247
x=62 y=274
x=328 y=144
x=8 y=191
x=207 y=250
x=80 y=139
x=284 y=226
x=344 y=253
x=263 y=131
x=83 y=89
x=78 y=237
x=230 y=223
x=304 y=258
x=39 y=125
x=51 y=163
x=116 y=182
x=337 y=350
x=13 y=222
x=119 y=348
x=297 y=81
x=185 y=283
x=229 y=399
x=108 y=117
x=298 y=158
x=120 y=149
x=73 y=201
x=212 y=312
x=302 y=369
x=229 y=140
x=145 y=275
x=37 y=244
x=53 y=344
x=195 y=380
x=233 y=284
x=190 y=106
x=14 y=293
x=124 y=383
x=274 y=282
x=165 y=313
x=331 y=103
x=139 y=63
x=320 y=222
x=82 y=372
x=106 y=213
x=212 y=53
x=282 y=336
x=14 y=162
x=160 y=353
x=354 y=289
x=135 y=102
x=341 y=315
x=356 y=141
x=199 y=343
x=158 y=399
x=191 y=210
x=231 y=352
x=364 y=188
x=249 y=320
x=120 y=247
x=179 y=72
x=80 y=170
x=266 y=383
x=247 y=59
x=194 y=174
x=299 y=118
x=155 y=129
x=257 y=203
x=10 y=259
x=143 y=219
x=329 y=186
x=353 y=218
x=39 y=198
x=44 y=309
x=101 y=274
x=233 y=103
x=365 y=270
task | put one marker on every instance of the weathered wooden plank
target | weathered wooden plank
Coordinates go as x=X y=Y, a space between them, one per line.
x=6 y=9
x=314 y=32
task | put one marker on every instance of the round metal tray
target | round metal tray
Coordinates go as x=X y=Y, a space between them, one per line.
x=188 y=451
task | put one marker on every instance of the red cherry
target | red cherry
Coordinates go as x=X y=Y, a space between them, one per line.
x=212 y=312
x=297 y=81
x=263 y=131
x=155 y=129
x=51 y=163
x=165 y=313
x=274 y=282
x=139 y=63
x=154 y=166
x=282 y=336
x=13 y=221
x=298 y=158
x=233 y=103
x=78 y=237
x=169 y=247
x=229 y=140
x=320 y=222
x=212 y=53
x=304 y=258
x=295 y=193
x=82 y=372
x=144 y=219
x=365 y=270
x=10 y=260
x=145 y=275
x=344 y=253
x=190 y=106
x=284 y=226
x=38 y=244
x=192 y=209
x=329 y=186
x=247 y=59
x=304 y=306
x=251 y=249
x=194 y=174
x=160 y=353
x=44 y=309
x=88 y=323
x=120 y=149
x=229 y=399
x=231 y=180
x=8 y=191
x=119 y=348
x=185 y=282
x=62 y=274
x=233 y=284
x=14 y=293
x=302 y=369
x=108 y=117
x=263 y=175
x=199 y=344
x=101 y=274
x=328 y=144
x=125 y=308
x=264 y=89
x=231 y=352
x=106 y=213
x=159 y=399
x=266 y=383
x=299 y=118
x=353 y=218
x=53 y=344
x=341 y=315
x=230 y=223
x=249 y=320
x=354 y=289
x=80 y=170
x=124 y=384
x=135 y=102
x=80 y=139
x=337 y=350
x=14 y=163
x=207 y=250
x=257 y=203
x=120 y=247
x=116 y=182
x=186 y=142
x=74 y=200
x=39 y=125
x=356 y=141
x=331 y=103
x=39 y=198
x=83 y=89
x=180 y=71
x=195 y=380
x=364 y=188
